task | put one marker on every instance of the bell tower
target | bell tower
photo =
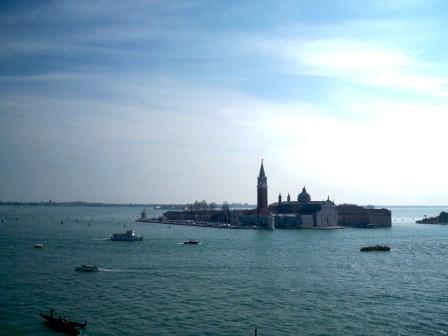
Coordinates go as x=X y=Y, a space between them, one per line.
x=262 y=189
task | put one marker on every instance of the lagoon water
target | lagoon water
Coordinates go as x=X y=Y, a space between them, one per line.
x=285 y=282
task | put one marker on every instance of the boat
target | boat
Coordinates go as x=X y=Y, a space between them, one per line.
x=86 y=268
x=192 y=242
x=38 y=246
x=129 y=235
x=62 y=324
x=380 y=248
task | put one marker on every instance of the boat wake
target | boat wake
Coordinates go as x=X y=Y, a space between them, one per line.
x=117 y=270
x=111 y=270
x=101 y=239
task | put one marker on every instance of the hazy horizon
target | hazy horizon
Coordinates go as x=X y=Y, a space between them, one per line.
x=135 y=204
x=171 y=102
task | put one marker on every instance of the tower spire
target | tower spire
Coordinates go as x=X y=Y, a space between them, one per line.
x=262 y=189
x=262 y=179
x=262 y=173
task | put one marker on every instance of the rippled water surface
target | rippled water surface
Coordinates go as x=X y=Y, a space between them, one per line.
x=285 y=282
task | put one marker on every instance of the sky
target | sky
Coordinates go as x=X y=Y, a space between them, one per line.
x=176 y=101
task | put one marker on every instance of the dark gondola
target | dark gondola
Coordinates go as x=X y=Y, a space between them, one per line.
x=62 y=324
x=192 y=242
x=378 y=248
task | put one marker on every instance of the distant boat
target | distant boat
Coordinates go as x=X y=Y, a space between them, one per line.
x=192 y=242
x=38 y=245
x=86 y=268
x=62 y=324
x=130 y=235
x=380 y=248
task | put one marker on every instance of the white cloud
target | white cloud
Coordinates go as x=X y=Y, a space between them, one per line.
x=394 y=156
x=351 y=53
x=341 y=55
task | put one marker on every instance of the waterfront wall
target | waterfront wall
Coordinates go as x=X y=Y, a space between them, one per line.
x=357 y=216
x=287 y=222
x=253 y=220
x=198 y=216
x=380 y=217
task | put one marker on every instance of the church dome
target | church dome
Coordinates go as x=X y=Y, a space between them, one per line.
x=304 y=197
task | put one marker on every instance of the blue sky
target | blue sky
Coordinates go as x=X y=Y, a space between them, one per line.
x=158 y=101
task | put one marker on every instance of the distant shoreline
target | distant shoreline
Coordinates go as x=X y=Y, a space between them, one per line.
x=171 y=206
x=99 y=204
x=93 y=204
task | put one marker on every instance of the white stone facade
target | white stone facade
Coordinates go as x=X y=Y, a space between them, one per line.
x=327 y=216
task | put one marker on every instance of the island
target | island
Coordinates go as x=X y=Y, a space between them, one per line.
x=290 y=213
x=442 y=218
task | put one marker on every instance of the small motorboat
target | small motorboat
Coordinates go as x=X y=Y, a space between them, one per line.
x=192 y=242
x=380 y=248
x=130 y=235
x=86 y=268
x=38 y=246
x=62 y=324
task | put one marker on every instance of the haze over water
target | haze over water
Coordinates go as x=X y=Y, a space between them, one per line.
x=285 y=282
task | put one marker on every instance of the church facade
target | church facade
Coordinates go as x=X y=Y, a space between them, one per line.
x=304 y=213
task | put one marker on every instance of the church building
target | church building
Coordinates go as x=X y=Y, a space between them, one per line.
x=303 y=213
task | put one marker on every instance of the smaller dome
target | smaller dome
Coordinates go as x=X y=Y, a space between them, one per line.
x=304 y=197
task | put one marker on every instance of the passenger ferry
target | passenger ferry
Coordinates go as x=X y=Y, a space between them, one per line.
x=130 y=235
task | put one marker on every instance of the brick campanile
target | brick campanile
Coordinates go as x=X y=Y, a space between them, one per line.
x=262 y=190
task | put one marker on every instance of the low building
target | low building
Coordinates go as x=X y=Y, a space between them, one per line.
x=358 y=216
